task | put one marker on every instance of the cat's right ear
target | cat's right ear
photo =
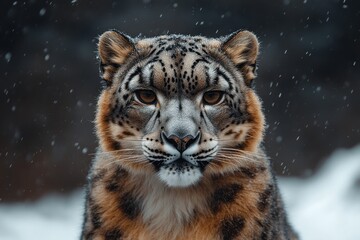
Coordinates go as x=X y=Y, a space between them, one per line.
x=242 y=47
x=114 y=48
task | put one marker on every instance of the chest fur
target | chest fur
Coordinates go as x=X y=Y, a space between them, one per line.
x=143 y=206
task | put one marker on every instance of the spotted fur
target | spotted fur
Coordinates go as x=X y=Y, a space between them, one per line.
x=172 y=162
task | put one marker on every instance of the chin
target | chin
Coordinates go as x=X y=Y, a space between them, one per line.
x=184 y=175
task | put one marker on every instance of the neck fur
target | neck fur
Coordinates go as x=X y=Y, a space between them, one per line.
x=166 y=209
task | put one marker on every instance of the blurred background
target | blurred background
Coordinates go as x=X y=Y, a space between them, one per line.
x=308 y=79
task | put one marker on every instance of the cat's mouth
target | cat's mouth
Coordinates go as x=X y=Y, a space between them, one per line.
x=181 y=165
x=182 y=162
x=181 y=173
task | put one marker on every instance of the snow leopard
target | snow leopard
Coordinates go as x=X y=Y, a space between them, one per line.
x=180 y=130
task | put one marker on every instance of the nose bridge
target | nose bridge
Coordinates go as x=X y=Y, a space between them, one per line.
x=180 y=119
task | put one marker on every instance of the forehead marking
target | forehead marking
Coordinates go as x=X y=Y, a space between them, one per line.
x=176 y=66
x=225 y=77
x=136 y=72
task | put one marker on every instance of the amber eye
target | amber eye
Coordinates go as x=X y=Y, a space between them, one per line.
x=213 y=97
x=146 y=96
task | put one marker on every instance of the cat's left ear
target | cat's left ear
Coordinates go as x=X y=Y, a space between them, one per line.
x=114 y=49
x=242 y=47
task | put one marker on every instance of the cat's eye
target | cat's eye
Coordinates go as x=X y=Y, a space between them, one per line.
x=213 y=97
x=146 y=96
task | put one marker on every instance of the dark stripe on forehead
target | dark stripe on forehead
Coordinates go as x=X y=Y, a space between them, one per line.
x=160 y=51
x=161 y=62
x=137 y=71
x=141 y=77
x=152 y=51
x=196 y=62
x=225 y=76
x=152 y=60
x=207 y=76
x=151 y=77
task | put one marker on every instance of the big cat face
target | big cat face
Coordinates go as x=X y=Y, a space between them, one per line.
x=179 y=106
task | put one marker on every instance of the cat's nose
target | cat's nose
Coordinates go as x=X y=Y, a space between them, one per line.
x=180 y=143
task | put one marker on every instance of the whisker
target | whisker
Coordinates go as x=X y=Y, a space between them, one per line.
x=226 y=140
x=224 y=149
x=238 y=159
x=133 y=159
x=130 y=140
x=227 y=161
x=120 y=150
x=239 y=153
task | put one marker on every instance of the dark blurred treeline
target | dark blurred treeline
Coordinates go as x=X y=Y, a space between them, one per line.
x=308 y=79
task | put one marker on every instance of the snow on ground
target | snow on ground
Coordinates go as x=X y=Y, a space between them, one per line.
x=54 y=217
x=326 y=206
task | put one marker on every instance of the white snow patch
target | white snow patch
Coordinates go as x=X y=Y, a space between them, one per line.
x=54 y=217
x=326 y=206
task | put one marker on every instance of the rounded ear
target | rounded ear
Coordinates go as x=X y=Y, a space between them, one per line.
x=242 y=47
x=114 y=48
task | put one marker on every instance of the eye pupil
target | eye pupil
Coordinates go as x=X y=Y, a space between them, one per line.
x=213 y=97
x=146 y=96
